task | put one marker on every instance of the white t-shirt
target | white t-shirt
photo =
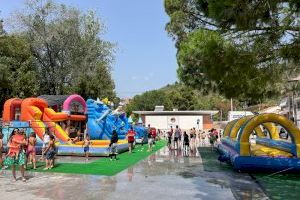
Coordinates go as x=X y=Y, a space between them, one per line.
x=46 y=139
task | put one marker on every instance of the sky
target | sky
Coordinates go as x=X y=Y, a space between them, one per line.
x=146 y=55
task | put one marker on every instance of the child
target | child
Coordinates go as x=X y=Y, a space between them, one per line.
x=46 y=139
x=86 y=146
x=30 y=154
x=79 y=137
x=50 y=153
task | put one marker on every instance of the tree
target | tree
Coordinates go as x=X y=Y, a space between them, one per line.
x=18 y=77
x=239 y=48
x=147 y=101
x=69 y=53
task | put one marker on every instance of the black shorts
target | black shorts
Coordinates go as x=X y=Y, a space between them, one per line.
x=130 y=142
x=187 y=144
x=86 y=149
x=175 y=139
x=169 y=140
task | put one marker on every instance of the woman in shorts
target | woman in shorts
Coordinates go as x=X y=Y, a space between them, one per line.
x=130 y=138
x=50 y=153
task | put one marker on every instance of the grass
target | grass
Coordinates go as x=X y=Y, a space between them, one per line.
x=104 y=166
x=210 y=161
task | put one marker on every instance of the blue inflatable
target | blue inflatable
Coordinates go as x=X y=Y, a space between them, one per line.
x=102 y=121
x=266 y=152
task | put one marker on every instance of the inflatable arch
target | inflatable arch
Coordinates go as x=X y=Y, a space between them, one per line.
x=243 y=138
x=228 y=128
x=271 y=128
x=70 y=99
x=239 y=123
x=9 y=109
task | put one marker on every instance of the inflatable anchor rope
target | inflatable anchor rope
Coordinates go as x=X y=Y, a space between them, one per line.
x=284 y=170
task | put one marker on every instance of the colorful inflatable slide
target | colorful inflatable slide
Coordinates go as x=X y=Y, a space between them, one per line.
x=36 y=116
x=266 y=152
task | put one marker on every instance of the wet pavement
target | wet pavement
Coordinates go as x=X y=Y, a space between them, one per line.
x=163 y=175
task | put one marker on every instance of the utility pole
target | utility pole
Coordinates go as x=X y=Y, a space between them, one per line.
x=231 y=104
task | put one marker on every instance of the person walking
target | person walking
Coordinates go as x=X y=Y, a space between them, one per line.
x=177 y=135
x=170 y=134
x=86 y=147
x=113 y=145
x=186 y=143
x=31 y=151
x=50 y=153
x=16 y=154
x=130 y=138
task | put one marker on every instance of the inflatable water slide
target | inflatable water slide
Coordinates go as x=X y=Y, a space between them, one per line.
x=37 y=116
x=266 y=152
x=102 y=121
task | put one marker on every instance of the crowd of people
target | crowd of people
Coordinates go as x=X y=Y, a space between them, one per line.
x=189 y=140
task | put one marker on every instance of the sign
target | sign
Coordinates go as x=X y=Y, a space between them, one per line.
x=232 y=115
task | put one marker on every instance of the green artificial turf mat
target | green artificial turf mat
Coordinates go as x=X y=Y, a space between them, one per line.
x=104 y=166
x=279 y=186
x=210 y=160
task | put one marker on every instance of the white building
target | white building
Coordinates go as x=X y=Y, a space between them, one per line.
x=160 y=119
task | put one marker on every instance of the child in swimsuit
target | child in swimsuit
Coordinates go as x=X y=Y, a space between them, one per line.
x=86 y=146
x=31 y=152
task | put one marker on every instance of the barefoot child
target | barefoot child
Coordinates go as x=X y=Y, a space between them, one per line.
x=46 y=138
x=30 y=153
x=86 y=146
x=50 y=153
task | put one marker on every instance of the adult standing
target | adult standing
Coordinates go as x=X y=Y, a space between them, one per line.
x=177 y=136
x=170 y=134
x=16 y=153
x=130 y=138
x=113 y=145
x=193 y=138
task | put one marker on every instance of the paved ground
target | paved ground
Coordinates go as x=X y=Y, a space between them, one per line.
x=164 y=175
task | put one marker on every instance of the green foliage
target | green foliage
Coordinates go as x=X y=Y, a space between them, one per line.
x=242 y=49
x=69 y=52
x=147 y=101
x=180 y=97
x=18 y=77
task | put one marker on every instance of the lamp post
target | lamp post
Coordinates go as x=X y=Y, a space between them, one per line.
x=294 y=82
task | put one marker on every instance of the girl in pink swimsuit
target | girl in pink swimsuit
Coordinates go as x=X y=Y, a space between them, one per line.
x=31 y=152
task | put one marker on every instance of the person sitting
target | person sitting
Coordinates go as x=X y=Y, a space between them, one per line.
x=79 y=137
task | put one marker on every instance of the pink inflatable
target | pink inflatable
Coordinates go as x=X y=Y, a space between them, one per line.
x=74 y=98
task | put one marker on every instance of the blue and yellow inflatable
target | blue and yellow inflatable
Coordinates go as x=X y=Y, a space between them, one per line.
x=268 y=152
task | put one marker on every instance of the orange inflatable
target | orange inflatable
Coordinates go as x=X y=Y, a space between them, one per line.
x=10 y=107
x=50 y=117
x=32 y=111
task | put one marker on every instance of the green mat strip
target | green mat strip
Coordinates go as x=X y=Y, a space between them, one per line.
x=104 y=166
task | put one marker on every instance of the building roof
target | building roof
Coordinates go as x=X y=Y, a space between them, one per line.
x=273 y=109
x=54 y=99
x=187 y=112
